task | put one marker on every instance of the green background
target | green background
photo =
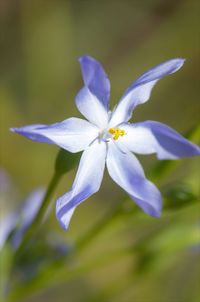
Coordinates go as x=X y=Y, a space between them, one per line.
x=135 y=258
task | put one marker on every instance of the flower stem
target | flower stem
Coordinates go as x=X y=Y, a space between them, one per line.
x=40 y=215
x=83 y=241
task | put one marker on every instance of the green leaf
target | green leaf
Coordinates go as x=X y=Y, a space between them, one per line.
x=161 y=249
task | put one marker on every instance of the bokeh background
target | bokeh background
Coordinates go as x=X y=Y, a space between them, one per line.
x=135 y=257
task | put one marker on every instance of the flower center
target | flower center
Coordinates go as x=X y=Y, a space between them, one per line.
x=116 y=132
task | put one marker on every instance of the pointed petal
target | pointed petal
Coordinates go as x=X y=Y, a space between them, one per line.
x=139 y=92
x=87 y=182
x=154 y=137
x=126 y=171
x=32 y=132
x=8 y=224
x=31 y=207
x=95 y=79
x=73 y=134
x=91 y=108
x=29 y=211
x=21 y=218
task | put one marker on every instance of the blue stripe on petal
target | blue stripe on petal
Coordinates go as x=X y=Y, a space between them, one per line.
x=153 y=137
x=87 y=182
x=157 y=73
x=32 y=132
x=147 y=207
x=140 y=91
x=172 y=142
x=72 y=134
x=126 y=171
x=95 y=79
x=69 y=203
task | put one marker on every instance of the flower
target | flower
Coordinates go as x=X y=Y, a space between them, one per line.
x=107 y=138
x=17 y=222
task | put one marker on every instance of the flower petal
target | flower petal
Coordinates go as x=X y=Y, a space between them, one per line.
x=139 y=92
x=95 y=79
x=29 y=211
x=73 y=134
x=21 y=218
x=126 y=171
x=87 y=182
x=154 y=137
x=8 y=224
x=88 y=104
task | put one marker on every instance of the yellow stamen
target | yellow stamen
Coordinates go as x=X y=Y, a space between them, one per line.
x=116 y=132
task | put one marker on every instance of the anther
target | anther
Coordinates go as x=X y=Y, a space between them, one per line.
x=116 y=132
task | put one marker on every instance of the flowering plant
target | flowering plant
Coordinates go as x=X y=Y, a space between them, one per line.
x=108 y=138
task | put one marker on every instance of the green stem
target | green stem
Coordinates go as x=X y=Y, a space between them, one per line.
x=40 y=215
x=81 y=244
x=98 y=228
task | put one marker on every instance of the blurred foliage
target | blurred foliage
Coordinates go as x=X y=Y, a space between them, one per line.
x=65 y=161
x=112 y=251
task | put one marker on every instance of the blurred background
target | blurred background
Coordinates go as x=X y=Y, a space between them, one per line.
x=135 y=257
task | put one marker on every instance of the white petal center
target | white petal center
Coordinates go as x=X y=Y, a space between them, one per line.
x=111 y=134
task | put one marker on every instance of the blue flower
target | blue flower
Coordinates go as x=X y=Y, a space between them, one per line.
x=18 y=221
x=107 y=138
